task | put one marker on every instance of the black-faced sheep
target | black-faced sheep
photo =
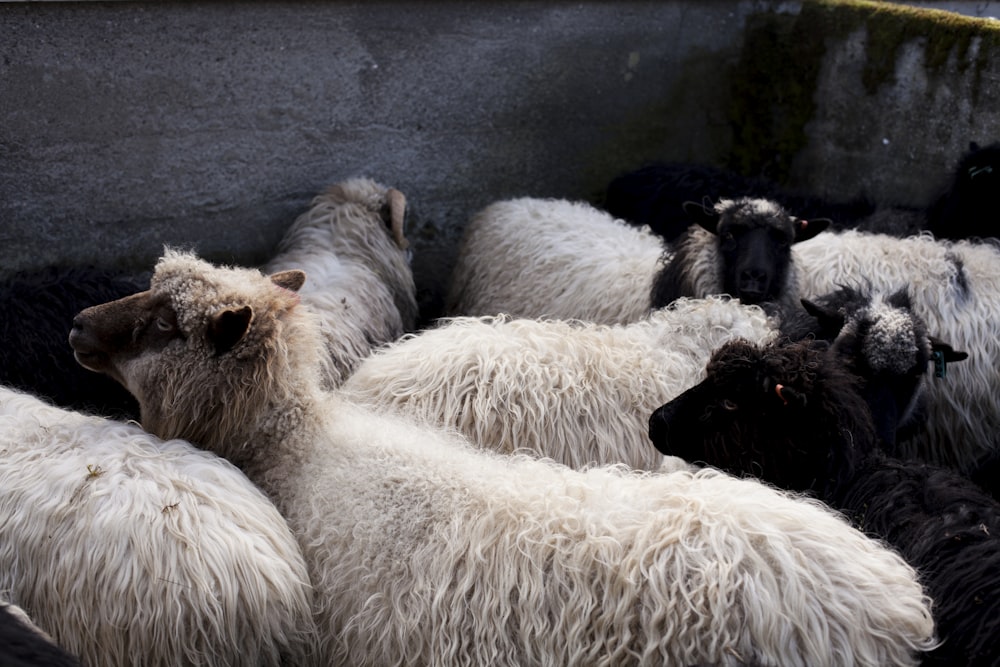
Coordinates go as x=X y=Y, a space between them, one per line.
x=879 y=338
x=24 y=644
x=351 y=243
x=741 y=247
x=791 y=414
x=426 y=550
x=577 y=392
x=954 y=288
x=552 y=258
x=655 y=195
x=129 y=550
x=968 y=207
x=38 y=309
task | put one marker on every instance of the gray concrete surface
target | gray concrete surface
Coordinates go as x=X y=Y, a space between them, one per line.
x=126 y=126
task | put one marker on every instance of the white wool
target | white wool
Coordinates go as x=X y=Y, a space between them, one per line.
x=130 y=550
x=425 y=550
x=358 y=278
x=551 y=258
x=955 y=288
x=578 y=393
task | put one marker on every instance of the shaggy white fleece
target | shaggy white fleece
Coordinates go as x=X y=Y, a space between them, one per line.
x=351 y=246
x=576 y=392
x=129 y=550
x=552 y=258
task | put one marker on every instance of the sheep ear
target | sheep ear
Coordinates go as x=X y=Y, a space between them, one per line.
x=292 y=279
x=947 y=352
x=900 y=299
x=787 y=395
x=830 y=319
x=806 y=229
x=704 y=214
x=228 y=327
x=393 y=214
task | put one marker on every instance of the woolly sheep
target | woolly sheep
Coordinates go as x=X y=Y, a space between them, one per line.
x=38 y=308
x=129 y=550
x=955 y=290
x=24 y=644
x=741 y=247
x=791 y=414
x=552 y=258
x=426 y=550
x=579 y=393
x=351 y=243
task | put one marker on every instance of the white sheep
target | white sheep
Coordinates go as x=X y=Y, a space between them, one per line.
x=129 y=550
x=425 y=550
x=576 y=392
x=955 y=288
x=553 y=258
x=351 y=243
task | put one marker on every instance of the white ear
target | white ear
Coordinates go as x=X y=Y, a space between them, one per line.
x=292 y=279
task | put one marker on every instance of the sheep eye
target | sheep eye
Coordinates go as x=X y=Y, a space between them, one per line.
x=164 y=325
x=729 y=405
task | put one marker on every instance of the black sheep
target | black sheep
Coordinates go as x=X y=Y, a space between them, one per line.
x=22 y=644
x=792 y=414
x=741 y=247
x=968 y=207
x=35 y=356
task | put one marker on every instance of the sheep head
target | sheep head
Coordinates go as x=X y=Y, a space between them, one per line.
x=787 y=413
x=203 y=348
x=881 y=339
x=754 y=238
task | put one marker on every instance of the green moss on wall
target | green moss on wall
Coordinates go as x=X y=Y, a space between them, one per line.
x=775 y=78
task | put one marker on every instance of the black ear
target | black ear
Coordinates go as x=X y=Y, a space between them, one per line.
x=806 y=229
x=831 y=320
x=973 y=146
x=704 y=214
x=900 y=298
x=787 y=395
x=946 y=350
x=292 y=279
x=941 y=354
x=228 y=327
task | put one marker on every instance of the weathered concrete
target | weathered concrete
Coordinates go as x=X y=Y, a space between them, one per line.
x=127 y=126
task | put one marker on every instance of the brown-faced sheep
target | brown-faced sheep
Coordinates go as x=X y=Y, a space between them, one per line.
x=425 y=550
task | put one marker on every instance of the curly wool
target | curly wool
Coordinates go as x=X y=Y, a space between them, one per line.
x=359 y=278
x=552 y=258
x=955 y=288
x=578 y=393
x=128 y=549
x=424 y=550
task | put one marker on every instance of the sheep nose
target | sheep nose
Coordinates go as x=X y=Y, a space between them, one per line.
x=753 y=284
x=659 y=429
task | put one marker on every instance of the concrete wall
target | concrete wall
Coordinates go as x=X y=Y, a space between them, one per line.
x=127 y=126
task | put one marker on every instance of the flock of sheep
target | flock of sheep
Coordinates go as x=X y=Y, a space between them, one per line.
x=756 y=439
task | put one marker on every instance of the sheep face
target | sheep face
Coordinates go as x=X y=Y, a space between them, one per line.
x=197 y=338
x=754 y=238
x=884 y=342
x=788 y=414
